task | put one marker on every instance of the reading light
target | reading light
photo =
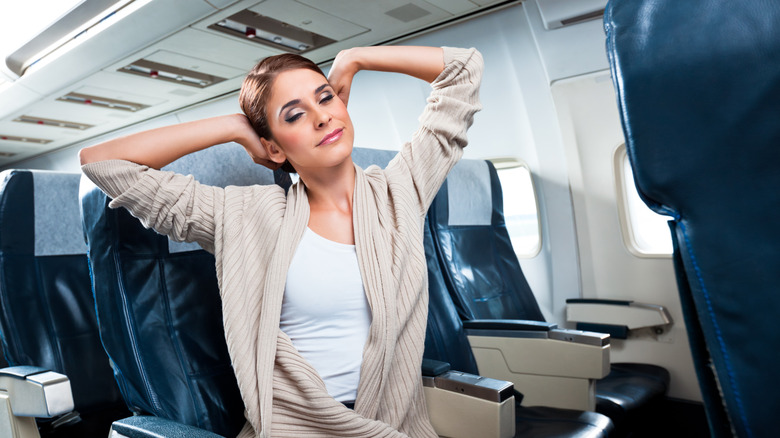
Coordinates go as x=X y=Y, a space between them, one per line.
x=260 y=29
x=104 y=102
x=25 y=139
x=52 y=122
x=164 y=72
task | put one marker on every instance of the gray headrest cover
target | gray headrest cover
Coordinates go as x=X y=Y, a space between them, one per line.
x=468 y=194
x=223 y=165
x=58 y=229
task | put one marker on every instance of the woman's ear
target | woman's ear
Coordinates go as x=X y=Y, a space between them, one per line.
x=275 y=153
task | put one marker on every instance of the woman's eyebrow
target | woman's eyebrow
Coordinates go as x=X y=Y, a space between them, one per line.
x=297 y=101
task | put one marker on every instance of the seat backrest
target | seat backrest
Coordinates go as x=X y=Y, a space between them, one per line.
x=47 y=313
x=445 y=339
x=698 y=86
x=158 y=300
x=469 y=233
x=159 y=306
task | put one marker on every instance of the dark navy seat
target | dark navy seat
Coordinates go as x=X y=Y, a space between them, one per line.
x=152 y=292
x=159 y=307
x=698 y=85
x=47 y=313
x=485 y=280
x=446 y=341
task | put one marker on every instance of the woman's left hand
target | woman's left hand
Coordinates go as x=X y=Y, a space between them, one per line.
x=342 y=71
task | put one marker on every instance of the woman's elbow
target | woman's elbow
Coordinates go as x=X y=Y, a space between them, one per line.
x=87 y=155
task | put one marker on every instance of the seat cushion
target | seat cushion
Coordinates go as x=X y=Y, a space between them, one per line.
x=542 y=421
x=629 y=387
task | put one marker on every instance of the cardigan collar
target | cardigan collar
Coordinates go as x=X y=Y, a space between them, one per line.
x=377 y=279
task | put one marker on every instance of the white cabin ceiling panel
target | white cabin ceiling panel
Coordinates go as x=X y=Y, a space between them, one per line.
x=373 y=14
x=454 y=6
x=143 y=26
x=169 y=91
x=216 y=48
x=14 y=98
x=180 y=70
x=24 y=136
x=486 y=2
x=220 y=4
x=559 y=13
x=57 y=110
x=309 y=18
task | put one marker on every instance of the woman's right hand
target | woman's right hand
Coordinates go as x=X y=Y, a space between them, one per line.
x=248 y=138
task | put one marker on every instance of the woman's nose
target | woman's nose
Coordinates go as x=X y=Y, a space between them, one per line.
x=323 y=118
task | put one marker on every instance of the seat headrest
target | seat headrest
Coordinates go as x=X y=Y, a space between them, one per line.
x=365 y=157
x=699 y=92
x=40 y=213
x=470 y=194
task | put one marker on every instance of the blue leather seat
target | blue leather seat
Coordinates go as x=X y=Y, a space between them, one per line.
x=485 y=280
x=698 y=85
x=47 y=313
x=159 y=306
x=446 y=341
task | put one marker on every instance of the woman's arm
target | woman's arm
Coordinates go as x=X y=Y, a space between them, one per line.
x=158 y=147
x=424 y=63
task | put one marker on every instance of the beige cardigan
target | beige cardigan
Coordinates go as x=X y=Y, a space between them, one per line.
x=254 y=231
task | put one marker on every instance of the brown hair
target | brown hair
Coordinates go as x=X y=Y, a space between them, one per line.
x=256 y=90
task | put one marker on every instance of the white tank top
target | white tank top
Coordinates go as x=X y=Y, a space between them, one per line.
x=325 y=312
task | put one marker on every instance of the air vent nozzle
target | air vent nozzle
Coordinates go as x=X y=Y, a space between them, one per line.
x=169 y=73
x=52 y=122
x=18 y=139
x=103 y=102
x=251 y=26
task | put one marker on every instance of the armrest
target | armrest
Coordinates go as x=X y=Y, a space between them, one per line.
x=27 y=392
x=614 y=316
x=36 y=392
x=516 y=328
x=550 y=366
x=433 y=368
x=144 y=426
x=508 y=324
x=462 y=405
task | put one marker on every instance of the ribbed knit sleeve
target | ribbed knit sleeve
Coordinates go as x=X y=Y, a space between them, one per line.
x=439 y=141
x=171 y=204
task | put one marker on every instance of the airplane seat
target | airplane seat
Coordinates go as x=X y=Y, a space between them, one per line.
x=159 y=306
x=47 y=312
x=699 y=96
x=486 y=282
x=446 y=341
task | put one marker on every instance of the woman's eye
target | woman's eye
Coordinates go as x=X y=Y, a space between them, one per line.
x=293 y=117
x=326 y=98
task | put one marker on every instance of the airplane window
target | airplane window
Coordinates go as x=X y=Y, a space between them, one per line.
x=647 y=231
x=520 y=209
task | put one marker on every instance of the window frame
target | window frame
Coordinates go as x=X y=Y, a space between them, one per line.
x=506 y=163
x=627 y=231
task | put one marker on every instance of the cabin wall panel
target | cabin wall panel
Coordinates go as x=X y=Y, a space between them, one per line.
x=518 y=120
x=590 y=124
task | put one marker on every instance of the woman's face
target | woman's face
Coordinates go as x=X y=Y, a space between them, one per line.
x=308 y=122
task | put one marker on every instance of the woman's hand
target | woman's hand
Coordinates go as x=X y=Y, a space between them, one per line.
x=424 y=63
x=344 y=68
x=248 y=138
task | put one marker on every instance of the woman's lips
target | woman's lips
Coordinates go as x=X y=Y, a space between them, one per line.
x=332 y=137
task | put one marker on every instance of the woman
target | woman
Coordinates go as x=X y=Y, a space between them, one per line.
x=294 y=373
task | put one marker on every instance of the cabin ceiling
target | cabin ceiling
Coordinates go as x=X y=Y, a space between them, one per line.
x=157 y=56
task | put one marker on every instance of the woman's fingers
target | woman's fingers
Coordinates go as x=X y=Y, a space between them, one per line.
x=341 y=73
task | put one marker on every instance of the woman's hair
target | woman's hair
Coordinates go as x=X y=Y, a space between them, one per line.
x=257 y=86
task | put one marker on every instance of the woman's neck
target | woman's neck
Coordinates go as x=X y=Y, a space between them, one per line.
x=331 y=188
